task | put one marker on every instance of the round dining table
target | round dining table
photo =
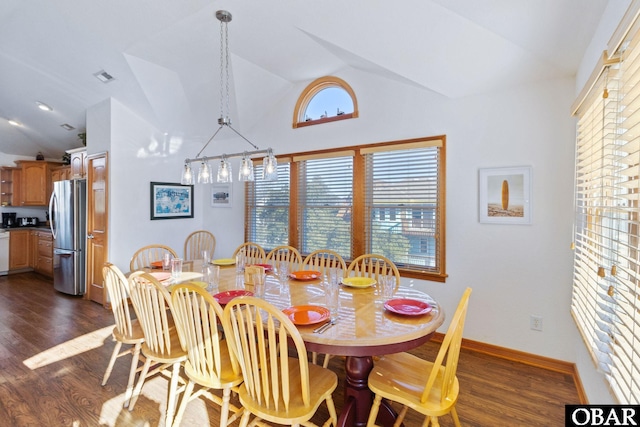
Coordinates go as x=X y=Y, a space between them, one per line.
x=366 y=326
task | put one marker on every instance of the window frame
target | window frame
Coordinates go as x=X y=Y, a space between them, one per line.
x=360 y=224
x=311 y=91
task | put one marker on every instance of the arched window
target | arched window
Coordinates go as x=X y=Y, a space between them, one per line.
x=324 y=100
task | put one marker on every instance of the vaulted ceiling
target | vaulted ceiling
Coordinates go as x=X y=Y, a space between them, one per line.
x=164 y=55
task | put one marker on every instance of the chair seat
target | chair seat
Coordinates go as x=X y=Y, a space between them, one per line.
x=227 y=378
x=136 y=334
x=323 y=383
x=176 y=354
x=402 y=377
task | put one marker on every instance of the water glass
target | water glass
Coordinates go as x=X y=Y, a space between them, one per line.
x=283 y=271
x=335 y=275
x=166 y=262
x=176 y=268
x=258 y=280
x=211 y=276
x=387 y=286
x=332 y=295
x=206 y=257
x=240 y=261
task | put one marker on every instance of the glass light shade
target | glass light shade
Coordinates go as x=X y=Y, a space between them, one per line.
x=224 y=171
x=204 y=174
x=246 y=170
x=187 y=175
x=269 y=168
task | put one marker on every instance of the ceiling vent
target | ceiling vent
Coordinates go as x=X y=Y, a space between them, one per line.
x=67 y=126
x=103 y=76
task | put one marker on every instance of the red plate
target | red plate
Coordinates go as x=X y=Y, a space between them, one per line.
x=267 y=267
x=156 y=264
x=307 y=314
x=305 y=275
x=224 y=297
x=406 y=306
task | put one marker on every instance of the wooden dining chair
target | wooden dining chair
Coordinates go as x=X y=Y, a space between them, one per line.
x=373 y=266
x=280 y=386
x=209 y=365
x=161 y=345
x=127 y=330
x=285 y=253
x=430 y=388
x=143 y=257
x=322 y=260
x=197 y=242
x=253 y=253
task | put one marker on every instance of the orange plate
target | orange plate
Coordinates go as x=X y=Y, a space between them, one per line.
x=407 y=306
x=224 y=297
x=156 y=264
x=161 y=276
x=307 y=314
x=305 y=275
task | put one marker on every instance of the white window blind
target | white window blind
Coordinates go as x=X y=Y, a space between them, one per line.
x=402 y=205
x=605 y=301
x=267 y=208
x=325 y=201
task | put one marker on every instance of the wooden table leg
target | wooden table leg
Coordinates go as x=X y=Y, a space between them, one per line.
x=358 y=397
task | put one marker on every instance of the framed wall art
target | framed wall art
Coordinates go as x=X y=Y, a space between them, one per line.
x=169 y=200
x=221 y=195
x=505 y=195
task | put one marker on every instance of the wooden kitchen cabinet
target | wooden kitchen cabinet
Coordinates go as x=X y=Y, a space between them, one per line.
x=60 y=173
x=19 y=249
x=44 y=254
x=9 y=186
x=78 y=162
x=35 y=182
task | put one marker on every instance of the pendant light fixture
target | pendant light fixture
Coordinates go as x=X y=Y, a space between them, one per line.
x=224 y=173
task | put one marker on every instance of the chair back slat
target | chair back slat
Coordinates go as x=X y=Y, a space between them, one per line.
x=373 y=266
x=197 y=242
x=152 y=304
x=445 y=365
x=285 y=253
x=146 y=255
x=262 y=338
x=322 y=260
x=253 y=253
x=118 y=291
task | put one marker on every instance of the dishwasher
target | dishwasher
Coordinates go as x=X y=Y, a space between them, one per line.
x=4 y=253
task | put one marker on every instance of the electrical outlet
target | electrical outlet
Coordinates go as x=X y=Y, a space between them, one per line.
x=536 y=323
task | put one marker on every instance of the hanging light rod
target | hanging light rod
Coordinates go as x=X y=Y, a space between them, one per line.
x=246 y=173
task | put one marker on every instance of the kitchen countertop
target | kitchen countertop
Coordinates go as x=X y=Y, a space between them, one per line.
x=39 y=227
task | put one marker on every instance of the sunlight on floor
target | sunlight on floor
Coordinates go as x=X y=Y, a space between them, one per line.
x=69 y=348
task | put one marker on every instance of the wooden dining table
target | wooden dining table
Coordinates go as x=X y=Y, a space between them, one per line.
x=364 y=329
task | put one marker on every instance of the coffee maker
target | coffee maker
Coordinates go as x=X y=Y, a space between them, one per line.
x=9 y=220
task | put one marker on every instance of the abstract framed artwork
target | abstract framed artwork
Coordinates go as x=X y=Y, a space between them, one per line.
x=505 y=195
x=170 y=201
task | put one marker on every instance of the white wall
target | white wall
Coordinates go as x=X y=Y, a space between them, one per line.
x=515 y=270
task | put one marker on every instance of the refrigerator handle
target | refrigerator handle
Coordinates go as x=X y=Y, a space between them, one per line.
x=52 y=220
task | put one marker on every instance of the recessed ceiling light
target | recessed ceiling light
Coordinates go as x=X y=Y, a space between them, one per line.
x=15 y=123
x=103 y=76
x=43 y=106
x=67 y=126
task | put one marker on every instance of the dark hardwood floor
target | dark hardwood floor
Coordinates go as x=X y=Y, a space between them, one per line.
x=54 y=349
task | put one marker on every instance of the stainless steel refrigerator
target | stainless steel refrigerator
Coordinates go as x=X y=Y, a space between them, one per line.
x=68 y=220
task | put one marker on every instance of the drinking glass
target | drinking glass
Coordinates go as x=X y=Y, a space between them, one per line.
x=283 y=271
x=166 y=262
x=335 y=275
x=258 y=280
x=176 y=268
x=240 y=261
x=388 y=286
x=211 y=276
x=332 y=296
x=206 y=257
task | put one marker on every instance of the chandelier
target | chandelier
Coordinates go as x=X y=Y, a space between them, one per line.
x=224 y=173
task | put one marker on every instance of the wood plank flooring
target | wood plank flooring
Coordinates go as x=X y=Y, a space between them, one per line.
x=54 y=349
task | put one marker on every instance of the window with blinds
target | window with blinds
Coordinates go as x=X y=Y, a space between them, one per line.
x=402 y=204
x=325 y=199
x=267 y=209
x=606 y=297
x=383 y=198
